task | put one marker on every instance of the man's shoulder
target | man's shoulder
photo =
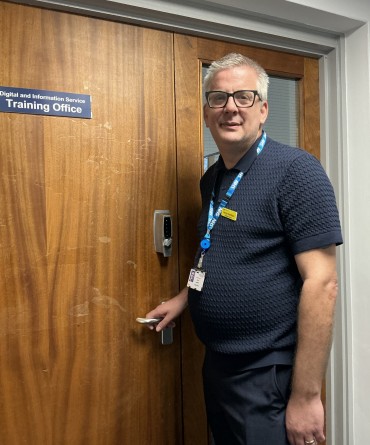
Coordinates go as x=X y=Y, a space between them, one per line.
x=287 y=159
x=284 y=151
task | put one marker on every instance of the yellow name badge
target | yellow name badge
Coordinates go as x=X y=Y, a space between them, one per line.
x=229 y=214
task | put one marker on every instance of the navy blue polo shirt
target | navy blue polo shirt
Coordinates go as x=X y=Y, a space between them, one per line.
x=285 y=205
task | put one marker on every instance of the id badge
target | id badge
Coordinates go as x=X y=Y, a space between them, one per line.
x=196 y=279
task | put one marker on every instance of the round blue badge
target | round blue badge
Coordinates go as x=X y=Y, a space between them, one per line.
x=205 y=243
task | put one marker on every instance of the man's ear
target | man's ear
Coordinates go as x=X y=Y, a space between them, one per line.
x=264 y=111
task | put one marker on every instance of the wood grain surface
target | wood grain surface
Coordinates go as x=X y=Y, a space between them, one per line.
x=77 y=262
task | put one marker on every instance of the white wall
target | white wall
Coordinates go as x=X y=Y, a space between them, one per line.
x=354 y=9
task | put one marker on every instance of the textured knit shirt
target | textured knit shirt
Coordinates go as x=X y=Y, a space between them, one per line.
x=285 y=205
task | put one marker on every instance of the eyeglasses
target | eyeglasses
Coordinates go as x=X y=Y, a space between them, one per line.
x=242 y=98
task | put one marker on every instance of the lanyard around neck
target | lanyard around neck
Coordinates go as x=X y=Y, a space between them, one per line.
x=205 y=244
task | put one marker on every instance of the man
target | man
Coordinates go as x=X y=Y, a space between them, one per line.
x=263 y=289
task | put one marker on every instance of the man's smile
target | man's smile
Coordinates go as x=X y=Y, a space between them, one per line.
x=230 y=124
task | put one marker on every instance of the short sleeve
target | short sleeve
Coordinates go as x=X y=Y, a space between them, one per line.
x=307 y=206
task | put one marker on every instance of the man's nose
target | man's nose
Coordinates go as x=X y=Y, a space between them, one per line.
x=230 y=104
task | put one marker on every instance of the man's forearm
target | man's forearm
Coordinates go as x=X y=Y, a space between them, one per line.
x=315 y=325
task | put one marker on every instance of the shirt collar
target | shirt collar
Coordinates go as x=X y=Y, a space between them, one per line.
x=245 y=162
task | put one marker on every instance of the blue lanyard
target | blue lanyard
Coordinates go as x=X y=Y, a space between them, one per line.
x=205 y=244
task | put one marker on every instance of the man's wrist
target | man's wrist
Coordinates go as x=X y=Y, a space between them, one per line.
x=305 y=394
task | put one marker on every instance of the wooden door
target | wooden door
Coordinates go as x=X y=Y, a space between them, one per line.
x=190 y=54
x=77 y=263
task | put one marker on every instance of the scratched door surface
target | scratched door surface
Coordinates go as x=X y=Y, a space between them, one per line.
x=77 y=263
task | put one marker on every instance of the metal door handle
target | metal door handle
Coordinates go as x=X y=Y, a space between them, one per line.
x=166 y=333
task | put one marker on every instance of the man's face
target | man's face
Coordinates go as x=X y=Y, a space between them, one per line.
x=235 y=128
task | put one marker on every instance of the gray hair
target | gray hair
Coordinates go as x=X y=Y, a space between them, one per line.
x=234 y=60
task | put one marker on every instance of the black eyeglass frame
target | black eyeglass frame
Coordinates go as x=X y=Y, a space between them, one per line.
x=255 y=92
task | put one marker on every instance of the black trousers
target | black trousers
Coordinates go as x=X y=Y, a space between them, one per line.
x=246 y=406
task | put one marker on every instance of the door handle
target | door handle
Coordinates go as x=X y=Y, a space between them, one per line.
x=166 y=333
